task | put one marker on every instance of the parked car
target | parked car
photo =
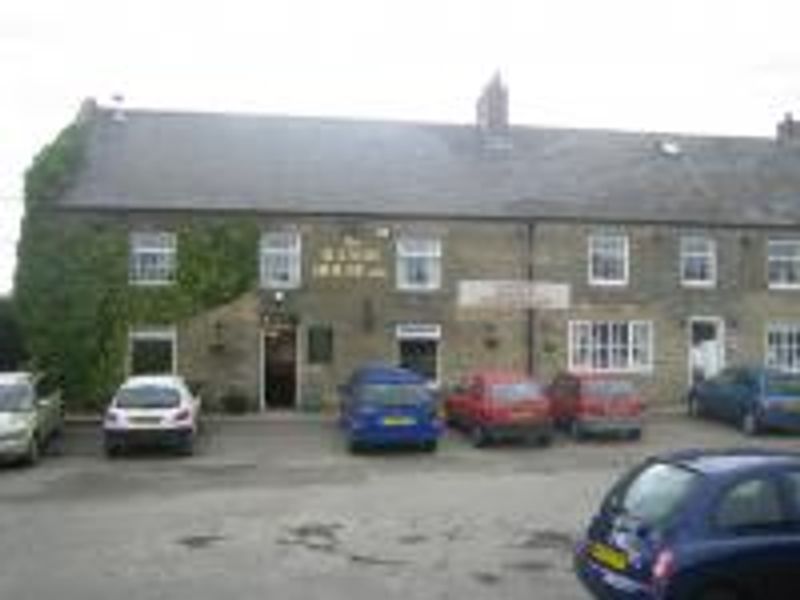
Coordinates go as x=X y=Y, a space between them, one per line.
x=387 y=405
x=596 y=404
x=698 y=525
x=493 y=405
x=31 y=415
x=157 y=409
x=753 y=397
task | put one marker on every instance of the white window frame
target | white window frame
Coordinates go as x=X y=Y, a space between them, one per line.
x=581 y=332
x=432 y=255
x=161 y=244
x=291 y=252
x=153 y=334
x=779 y=285
x=595 y=240
x=709 y=254
x=790 y=330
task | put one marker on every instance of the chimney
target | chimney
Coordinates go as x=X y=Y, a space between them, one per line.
x=87 y=110
x=118 y=108
x=788 y=130
x=492 y=115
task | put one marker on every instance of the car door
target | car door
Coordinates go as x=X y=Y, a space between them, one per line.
x=716 y=392
x=755 y=545
x=473 y=401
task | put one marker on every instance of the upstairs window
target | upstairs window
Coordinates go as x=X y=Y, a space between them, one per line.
x=783 y=264
x=153 y=258
x=608 y=259
x=280 y=260
x=698 y=261
x=419 y=264
x=610 y=346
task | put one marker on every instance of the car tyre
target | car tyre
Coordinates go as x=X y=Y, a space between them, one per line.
x=545 y=439
x=576 y=432
x=32 y=452
x=186 y=447
x=355 y=447
x=430 y=446
x=750 y=425
x=635 y=435
x=112 y=449
x=719 y=593
x=478 y=436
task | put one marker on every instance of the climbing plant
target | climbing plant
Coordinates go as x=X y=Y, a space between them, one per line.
x=73 y=298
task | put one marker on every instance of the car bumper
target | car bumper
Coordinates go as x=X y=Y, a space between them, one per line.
x=380 y=435
x=780 y=420
x=519 y=430
x=608 y=585
x=146 y=437
x=12 y=449
x=609 y=425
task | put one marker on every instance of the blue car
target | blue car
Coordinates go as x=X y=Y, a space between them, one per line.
x=754 y=398
x=698 y=525
x=385 y=405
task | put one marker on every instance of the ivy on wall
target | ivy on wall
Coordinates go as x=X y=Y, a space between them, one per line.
x=72 y=294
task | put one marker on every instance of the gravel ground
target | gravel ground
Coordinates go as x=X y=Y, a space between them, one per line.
x=276 y=508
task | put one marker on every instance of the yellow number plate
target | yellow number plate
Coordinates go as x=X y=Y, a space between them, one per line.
x=609 y=557
x=393 y=421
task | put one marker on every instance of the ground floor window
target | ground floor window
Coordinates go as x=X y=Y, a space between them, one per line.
x=783 y=346
x=152 y=351
x=418 y=348
x=610 y=345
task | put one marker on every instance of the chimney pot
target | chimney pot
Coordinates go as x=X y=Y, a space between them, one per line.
x=492 y=114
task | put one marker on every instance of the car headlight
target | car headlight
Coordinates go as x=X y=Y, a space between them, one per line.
x=14 y=435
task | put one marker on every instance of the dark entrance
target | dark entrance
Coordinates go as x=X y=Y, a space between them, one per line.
x=280 y=366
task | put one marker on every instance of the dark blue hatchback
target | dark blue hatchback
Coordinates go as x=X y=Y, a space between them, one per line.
x=699 y=525
x=386 y=405
x=754 y=398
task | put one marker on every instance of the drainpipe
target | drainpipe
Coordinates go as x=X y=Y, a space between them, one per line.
x=530 y=312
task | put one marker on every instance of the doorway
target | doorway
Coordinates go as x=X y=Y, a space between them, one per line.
x=706 y=347
x=280 y=366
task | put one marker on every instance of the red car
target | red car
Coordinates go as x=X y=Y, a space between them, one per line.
x=500 y=405
x=596 y=404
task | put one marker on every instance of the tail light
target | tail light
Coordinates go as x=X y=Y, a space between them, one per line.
x=183 y=415
x=111 y=416
x=663 y=567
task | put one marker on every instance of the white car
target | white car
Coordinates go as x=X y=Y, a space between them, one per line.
x=153 y=409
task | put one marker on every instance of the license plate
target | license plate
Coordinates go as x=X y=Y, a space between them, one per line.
x=609 y=557
x=395 y=421
x=146 y=420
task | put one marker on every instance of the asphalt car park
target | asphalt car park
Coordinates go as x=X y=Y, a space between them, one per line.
x=276 y=507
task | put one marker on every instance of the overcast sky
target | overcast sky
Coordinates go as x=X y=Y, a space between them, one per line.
x=707 y=66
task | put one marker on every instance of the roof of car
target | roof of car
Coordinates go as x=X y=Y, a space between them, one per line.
x=733 y=461
x=12 y=377
x=377 y=372
x=148 y=380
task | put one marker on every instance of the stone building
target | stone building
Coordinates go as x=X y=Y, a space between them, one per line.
x=451 y=247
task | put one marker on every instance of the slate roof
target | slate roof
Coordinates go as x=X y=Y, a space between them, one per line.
x=334 y=166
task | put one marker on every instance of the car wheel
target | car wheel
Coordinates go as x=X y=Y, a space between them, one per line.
x=32 y=452
x=545 y=439
x=750 y=425
x=719 y=593
x=186 y=447
x=576 y=431
x=430 y=446
x=355 y=447
x=635 y=434
x=478 y=436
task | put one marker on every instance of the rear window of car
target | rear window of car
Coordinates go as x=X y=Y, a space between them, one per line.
x=656 y=494
x=393 y=394
x=148 y=396
x=783 y=384
x=515 y=392
x=609 y=388
x=15 y=397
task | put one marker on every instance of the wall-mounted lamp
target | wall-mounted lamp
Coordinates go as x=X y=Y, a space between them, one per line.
x=279 y=297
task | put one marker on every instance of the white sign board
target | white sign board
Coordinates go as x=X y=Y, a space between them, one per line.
x=511 y=294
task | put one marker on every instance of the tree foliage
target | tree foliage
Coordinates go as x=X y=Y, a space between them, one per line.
x=73 y=298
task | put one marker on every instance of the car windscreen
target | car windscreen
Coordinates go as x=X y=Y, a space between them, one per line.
x=656 y=493
x=783 y=384
x=515 y=392
x=391 y=394
x=608 y=388
x=16 y=397
x=147 y=396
